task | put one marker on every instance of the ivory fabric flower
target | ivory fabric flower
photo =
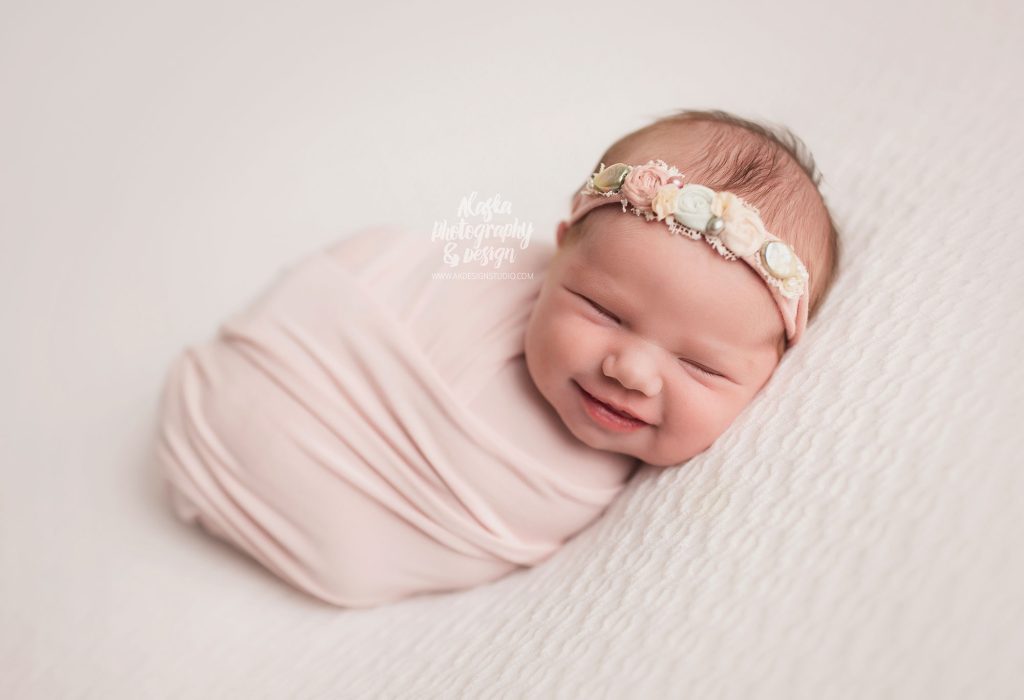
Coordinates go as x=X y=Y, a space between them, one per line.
x=744 y=231
x=664 y=202
x=693 y=206
x=642 y=184
x=724 y=204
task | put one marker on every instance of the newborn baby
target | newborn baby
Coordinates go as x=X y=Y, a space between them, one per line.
x=368 y=429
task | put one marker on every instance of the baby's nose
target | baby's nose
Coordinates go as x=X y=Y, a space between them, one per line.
x=634 y=367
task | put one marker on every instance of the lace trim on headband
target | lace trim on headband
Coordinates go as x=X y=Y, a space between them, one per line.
x=771 y=250
x=673 y=226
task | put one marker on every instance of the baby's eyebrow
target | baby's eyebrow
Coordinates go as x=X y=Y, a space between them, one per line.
x=716 y=352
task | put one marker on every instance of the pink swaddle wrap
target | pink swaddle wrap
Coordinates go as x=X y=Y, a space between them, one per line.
x=352 y=429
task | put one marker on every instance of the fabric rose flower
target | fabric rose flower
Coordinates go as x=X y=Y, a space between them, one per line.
x=693 y=206
x=664 y=203
x=744 y=231
x=642 y=184
x=725 y=204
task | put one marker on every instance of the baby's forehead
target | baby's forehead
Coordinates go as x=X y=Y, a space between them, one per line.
x=631 y=245
x=653 y=274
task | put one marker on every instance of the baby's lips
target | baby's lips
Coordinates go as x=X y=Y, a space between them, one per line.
x=616 y=408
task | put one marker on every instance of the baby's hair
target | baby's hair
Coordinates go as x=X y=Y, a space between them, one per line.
x=766 y=164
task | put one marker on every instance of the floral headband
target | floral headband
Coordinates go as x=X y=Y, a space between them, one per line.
x=732 y=226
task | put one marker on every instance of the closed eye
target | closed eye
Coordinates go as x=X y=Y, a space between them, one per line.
x=611 y=317
x=599 y=309
x=700 y=369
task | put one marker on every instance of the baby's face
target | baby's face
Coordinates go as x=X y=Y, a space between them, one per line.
x=635 y=316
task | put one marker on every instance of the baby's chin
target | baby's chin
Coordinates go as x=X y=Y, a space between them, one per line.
x=616 y=444
x=606 y=442
x=645 y=456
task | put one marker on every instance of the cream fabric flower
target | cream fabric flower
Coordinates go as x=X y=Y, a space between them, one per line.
x=744 y=231
x=725 y=203
x=664 y=203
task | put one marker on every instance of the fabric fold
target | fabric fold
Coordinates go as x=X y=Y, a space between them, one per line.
x=317 y=433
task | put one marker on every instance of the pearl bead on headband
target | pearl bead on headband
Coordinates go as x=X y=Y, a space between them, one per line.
x=732 y=226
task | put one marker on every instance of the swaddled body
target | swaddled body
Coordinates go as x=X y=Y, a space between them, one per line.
x=369 y=431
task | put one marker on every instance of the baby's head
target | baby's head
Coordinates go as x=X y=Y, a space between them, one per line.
x=664 y=326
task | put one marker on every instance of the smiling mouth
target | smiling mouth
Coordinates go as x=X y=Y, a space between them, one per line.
x=609 y=416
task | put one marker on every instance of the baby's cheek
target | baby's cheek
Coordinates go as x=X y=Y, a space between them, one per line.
x=549 y=342
x=583 y=341
x=693 y=422
x=557 y=328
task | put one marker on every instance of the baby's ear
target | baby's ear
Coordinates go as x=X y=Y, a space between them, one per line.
x=563 y=226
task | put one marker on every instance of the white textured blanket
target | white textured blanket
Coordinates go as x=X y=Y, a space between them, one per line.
x=856 y=534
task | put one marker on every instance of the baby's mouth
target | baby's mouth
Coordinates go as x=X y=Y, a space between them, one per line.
x=622 y=413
